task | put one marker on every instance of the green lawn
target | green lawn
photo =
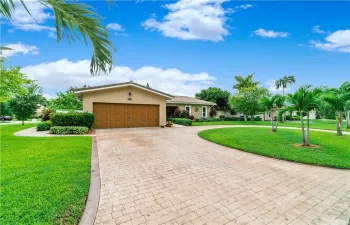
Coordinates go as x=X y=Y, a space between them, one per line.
x=43 y=180
x=315 y=124
x=334 y=151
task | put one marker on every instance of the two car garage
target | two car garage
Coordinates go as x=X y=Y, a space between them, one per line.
x=124 y=105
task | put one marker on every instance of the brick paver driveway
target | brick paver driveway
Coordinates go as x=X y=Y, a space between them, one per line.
x=171 y=176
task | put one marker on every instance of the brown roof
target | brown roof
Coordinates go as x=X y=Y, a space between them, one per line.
x=188 y=100
x=116 y=85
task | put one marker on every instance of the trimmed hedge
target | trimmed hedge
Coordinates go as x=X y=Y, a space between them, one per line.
x=43 y=126
x=83 y=119
x=181 y=121
x=68 y=130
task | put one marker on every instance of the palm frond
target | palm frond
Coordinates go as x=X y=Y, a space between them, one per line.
x=7 y=6
x=80 y=21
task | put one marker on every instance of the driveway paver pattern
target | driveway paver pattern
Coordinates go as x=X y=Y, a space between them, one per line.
x=154 y=176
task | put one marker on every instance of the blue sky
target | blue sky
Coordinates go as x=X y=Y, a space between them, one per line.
x=182 y=46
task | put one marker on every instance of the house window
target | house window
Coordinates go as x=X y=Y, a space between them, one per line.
x=204 y=111
x=188 y=109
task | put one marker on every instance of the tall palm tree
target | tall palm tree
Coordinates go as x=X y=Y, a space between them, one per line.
x=345 y=87
x=303 y=101
x=245 y=82
x=279 y=104
x=338 y=99
x=74 y=20
x=284 y=82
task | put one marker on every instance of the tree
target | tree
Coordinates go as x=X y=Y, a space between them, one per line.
x=24 y=106
x=217 y=95
x=74 y=20
x=5 y=109
x=66 y=100
x=345 y=87
x=338 y=99
x=248 y=101
x=12 y=81
x=303 y=101
x=273 y=104
x=284 y=82
x=245 y=82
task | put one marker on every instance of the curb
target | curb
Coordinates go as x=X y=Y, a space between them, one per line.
x=93 y=199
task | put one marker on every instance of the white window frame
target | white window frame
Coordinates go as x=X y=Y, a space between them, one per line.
x=206 y=111
x=190 y=111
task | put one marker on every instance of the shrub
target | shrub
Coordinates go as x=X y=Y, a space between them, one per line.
x=177 y=113
x=191 y=117
x=43 y=126
x=84 y=119
x=169 y=124
x=46 y=114
x=212 y=112
x=62 y=130
x=185 y=114
x=208 y=119
x=222 y=117
x=181 y=121
x=258 y=118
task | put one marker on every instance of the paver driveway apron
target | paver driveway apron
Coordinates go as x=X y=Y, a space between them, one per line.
x=171 y=176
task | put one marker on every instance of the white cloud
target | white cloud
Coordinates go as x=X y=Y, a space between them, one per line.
x=20 y=48
x=316 y=29
x=338 y=41
x=192 y=20
x=35 y=22
x=270 y=33
x=119 y=29
x=60 y=75
x=246 y=6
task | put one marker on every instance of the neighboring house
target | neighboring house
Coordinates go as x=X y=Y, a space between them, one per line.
x=196 y=107
x=133 y=105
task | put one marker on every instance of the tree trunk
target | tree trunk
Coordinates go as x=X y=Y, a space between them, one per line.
x=303 y=130
x=308 y=128
x=348 y=119
x=276 y=121
x=245 y=118
x=22 y=122
x=271 y=118
x=251 y=118
x=339 y=123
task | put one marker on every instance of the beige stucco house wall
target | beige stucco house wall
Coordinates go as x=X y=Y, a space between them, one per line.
x=195 y=110
x=121 y=95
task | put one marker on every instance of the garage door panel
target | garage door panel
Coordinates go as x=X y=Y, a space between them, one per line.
x=110 y=115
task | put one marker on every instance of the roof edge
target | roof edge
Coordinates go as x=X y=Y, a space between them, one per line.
x=117 y=85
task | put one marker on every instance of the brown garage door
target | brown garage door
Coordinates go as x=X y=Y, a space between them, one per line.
x=110 y=115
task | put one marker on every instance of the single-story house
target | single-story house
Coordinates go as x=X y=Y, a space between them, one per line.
x=133 y=105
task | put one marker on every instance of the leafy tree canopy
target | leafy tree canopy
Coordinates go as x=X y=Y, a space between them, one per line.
x=25 y=105
x=245 y=82
x=217 y=95
x=12 y=81
x=248 y=101
x=66 y=100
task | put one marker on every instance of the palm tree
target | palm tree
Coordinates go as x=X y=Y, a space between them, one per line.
x=338 y=99
x=268 y=104
x=345 y=87
x=245 y=82
x=74 y=20
x=303 y=101
x=284 y=82
x=279 y=104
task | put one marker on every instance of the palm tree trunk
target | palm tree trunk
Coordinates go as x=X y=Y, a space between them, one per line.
x=276 y=121
x=348 y=119
x=303 y=129
x=308 y=128
x=339 y=123
x=271 y=118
